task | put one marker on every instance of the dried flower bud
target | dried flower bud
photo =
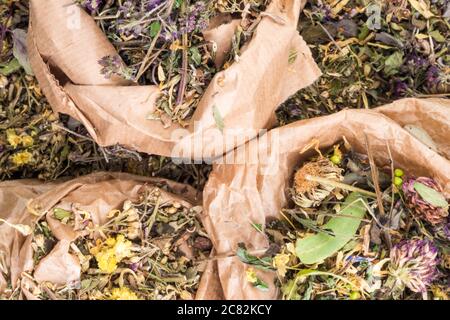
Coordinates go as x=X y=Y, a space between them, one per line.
x=308 y=193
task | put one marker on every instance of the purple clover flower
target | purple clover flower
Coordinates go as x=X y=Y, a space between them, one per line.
x=414 y=264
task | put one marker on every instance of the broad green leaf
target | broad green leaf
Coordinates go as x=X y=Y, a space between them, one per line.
x=218 y=118
x=20 y=49
x=10 y=67
x=318 y=247
x=61 y=214
x=430 y=195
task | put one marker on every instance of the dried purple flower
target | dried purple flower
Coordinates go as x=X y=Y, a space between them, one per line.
x=419 y=206
x=113 y=65
x=414 y=264
x=432 y=76
x=400 y=88
x=91 y=5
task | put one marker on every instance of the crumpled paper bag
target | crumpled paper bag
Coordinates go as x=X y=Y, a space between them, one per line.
x=428 y=120
x=255 y=188
x=65 y=45
x=27 y=201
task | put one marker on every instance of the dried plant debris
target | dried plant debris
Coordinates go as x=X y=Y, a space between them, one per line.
x=371 y=53
x=356 y=231
x=35 y=142
x=161 y=42
x=149 y=249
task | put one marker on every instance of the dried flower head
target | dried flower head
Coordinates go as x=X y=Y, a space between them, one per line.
x=109 y=253
x=308 y=193
x=414 y=264
x=113 y=65
x=122 y=293
x=21 y=158
x=420 y=206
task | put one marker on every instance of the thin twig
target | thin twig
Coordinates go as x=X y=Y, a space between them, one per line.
x=340 y=185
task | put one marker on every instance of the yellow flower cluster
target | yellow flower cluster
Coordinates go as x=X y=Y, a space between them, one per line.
x=21 y=158
x=14 y=140
x=109 y=253
x=280 y=262
x=251 y=275
x=122 y=293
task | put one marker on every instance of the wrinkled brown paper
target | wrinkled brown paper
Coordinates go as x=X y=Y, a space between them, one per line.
x=27 y=201
x=65 y=45
x=238 y=195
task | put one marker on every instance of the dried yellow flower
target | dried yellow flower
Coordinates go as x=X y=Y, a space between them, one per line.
x=13 y=139
x=27 y=141
x=251 y=276
x=280 y=262
x=21 y=158
x=111 y=252
x=122 y=293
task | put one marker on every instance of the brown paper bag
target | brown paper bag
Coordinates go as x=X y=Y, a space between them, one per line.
x=65 y=45
x=255 y=188
x=25 y=202
x=426 y=119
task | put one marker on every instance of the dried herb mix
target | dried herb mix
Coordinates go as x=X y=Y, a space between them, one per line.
x=337 y=242
x=149 y=249
x=162 y=43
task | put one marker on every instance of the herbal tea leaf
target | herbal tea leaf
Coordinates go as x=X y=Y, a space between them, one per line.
x=154 y=28
x=422 y=8
x=196 y=56
x=393 y=63
x=218 y=118
x=10 y=67
x=61 y=214
x=318 y=247
x=261 y=285
x=430 y=195
x=20 y=49
x=260 y=263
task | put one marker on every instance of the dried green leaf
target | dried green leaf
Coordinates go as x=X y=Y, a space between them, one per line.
x=20 y=49
x=154 y=28
x=218 y=118
x=437 y=36
x=264 y=263
x=422 y=8
x=196 y=56
x=61 y=214
x=430 y=195
x=393 y=63
x=9 y=68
